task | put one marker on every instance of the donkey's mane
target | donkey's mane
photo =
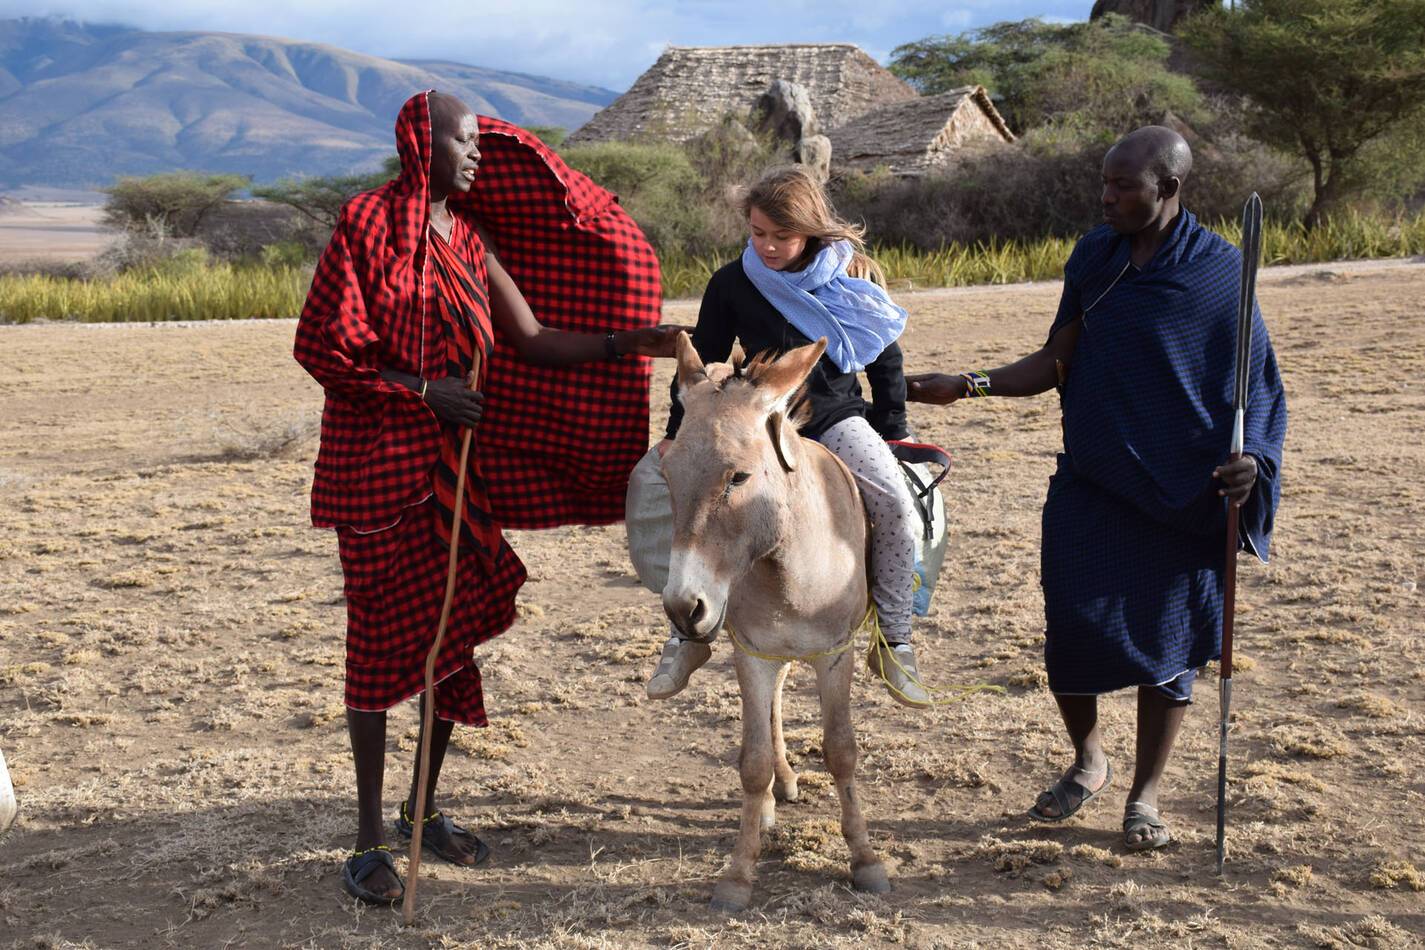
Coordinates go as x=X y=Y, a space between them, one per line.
x=751 y=372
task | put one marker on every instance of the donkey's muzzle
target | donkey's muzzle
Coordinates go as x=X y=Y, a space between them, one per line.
x=693 y=616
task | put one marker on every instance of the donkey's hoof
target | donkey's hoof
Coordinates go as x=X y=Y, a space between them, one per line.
x=730 y=897
x=785 y=791
x=871 y=878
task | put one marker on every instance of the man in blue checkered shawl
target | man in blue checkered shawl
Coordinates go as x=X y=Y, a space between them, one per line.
x=1143 y=354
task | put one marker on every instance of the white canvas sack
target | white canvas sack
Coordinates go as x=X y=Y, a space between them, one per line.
x=8 y=808
x=648 y=515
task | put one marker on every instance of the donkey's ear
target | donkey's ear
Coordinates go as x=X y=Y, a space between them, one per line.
x=784 y=439
x=690 y=364
x=780 y=380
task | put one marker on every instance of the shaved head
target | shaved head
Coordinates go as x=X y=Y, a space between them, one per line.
x=446 y=113
x=1157 y=150
x=1143 y=179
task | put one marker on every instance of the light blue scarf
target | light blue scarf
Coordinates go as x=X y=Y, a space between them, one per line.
x=856 y=316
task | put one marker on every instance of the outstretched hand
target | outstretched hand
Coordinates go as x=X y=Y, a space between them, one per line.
x=941 y=389
x=1237 y=479
x=452 y=402
x=649 y=341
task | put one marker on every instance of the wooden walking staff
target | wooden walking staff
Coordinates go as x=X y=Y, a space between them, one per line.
x=428 y=721
x=1246 y=304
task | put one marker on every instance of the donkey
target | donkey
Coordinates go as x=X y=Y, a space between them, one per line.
x=769 y=540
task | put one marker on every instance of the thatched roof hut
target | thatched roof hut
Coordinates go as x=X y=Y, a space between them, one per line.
x=691 y=88
x=918 y=135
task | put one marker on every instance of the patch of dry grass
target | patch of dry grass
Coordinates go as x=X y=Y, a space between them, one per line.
x=1390 y=874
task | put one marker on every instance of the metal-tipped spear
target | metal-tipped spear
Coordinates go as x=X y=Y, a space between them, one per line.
x=1246 y=304
x=428 y=721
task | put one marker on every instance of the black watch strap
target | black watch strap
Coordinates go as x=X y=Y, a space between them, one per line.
x=610 y=347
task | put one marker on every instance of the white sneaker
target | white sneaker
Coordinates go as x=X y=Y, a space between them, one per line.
x=680 y=658
x=895 y=666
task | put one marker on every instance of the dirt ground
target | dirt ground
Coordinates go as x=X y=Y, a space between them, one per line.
x=48 y=231
x=171 y=656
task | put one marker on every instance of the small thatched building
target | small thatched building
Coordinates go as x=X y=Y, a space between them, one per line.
x=691 y=88
x=918 y=135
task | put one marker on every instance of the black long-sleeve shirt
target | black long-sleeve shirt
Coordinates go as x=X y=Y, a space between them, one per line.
x=734 y=309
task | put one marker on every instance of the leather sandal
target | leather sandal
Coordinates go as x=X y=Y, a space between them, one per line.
x=1061 y=791
x=360 y=866
x=439 y=835
x=1138 y=816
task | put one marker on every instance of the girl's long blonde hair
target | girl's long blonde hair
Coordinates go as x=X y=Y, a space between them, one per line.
x=794 y=200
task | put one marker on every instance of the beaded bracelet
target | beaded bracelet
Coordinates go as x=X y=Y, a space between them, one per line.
x=977 y=384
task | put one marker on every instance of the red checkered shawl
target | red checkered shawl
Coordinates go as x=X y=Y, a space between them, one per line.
x=555 y=445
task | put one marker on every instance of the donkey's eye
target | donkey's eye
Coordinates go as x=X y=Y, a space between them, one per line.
x=740 y=478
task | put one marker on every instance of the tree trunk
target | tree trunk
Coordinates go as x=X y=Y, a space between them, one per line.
x=1323 y=190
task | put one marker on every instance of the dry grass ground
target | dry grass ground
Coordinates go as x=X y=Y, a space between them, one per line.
x=171 y=651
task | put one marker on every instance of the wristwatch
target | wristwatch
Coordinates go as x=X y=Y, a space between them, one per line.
x=611 y=347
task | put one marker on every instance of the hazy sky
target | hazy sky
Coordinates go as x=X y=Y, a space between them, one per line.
x=605 y=42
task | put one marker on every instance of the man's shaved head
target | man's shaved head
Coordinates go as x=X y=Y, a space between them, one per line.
x=1157 y=150
x=446 y=113
x=1143 y=177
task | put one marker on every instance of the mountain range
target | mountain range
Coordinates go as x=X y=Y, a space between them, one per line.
x=81 y=104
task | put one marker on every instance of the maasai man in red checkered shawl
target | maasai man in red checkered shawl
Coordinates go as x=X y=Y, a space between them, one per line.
x=406 y=293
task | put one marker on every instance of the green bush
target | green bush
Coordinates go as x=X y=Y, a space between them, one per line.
x=1048 y=185
x=551 y=135
x=286 y=254
x=657 y=184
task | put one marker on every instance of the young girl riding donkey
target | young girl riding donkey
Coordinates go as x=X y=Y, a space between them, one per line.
x=804 y=275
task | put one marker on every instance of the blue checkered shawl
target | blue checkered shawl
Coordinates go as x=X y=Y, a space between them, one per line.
x=1133 y=527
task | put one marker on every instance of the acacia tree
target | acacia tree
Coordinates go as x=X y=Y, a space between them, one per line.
x=1326 y=78
x=172 y=204
x=1101 y=77
x=320 y=199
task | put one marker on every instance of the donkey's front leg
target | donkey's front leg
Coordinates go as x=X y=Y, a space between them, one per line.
x=785 y=786
x=757 y=680
x=833 y=682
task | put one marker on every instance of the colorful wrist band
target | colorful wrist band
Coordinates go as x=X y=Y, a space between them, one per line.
x=977 y=384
